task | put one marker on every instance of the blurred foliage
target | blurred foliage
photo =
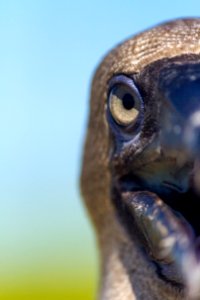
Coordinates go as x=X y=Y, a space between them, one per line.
x=49 y=288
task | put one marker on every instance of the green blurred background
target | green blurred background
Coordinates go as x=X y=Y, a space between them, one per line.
x=48 y=52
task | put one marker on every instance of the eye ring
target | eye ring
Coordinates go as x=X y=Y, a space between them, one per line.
x=124 y=101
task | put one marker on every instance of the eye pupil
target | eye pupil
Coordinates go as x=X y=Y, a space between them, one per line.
x=128 y=101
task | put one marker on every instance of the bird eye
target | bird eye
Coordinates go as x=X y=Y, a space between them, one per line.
x=123 y=105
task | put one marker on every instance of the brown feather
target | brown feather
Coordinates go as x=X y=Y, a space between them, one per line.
x=125 y=274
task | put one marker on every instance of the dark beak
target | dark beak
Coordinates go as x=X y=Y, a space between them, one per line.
x=180 y=112
x=166 y=221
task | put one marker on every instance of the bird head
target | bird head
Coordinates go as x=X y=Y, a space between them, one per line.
x=141 y=167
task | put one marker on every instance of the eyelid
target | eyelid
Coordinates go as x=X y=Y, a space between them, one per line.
x=122 y=79
x=125 y=132
x=128 y=81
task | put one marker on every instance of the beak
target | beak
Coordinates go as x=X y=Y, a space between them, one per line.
x=180 y=111
x=166 y=220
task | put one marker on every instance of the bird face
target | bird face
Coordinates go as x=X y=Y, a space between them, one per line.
x=141 y=171
x=155 y=163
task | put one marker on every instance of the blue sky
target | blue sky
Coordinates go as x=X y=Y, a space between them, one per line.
x=48 y=53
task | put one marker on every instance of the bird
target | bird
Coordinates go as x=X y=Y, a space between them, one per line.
x=140 y=176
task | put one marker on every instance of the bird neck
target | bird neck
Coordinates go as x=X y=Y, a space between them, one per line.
x=115 y=282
